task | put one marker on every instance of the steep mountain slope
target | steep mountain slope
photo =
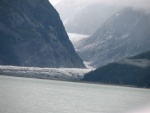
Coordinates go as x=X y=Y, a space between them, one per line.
x=32 y=34
x=83 y=17
x=134 y=71
x=125 y=34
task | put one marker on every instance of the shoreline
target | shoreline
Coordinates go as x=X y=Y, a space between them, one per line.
x=76 y=81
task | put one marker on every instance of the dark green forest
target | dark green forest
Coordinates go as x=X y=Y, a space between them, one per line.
x=145 y=55
x=122 y=74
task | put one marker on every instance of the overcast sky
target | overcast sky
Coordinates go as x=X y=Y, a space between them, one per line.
x=54 y=2
x=135 y=3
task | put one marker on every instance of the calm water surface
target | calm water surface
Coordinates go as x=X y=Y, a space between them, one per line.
x=25 y=95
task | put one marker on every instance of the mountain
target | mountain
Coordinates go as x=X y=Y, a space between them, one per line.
x=83 y=17
x=123 y=35
x=32 y=34
x=134 y=71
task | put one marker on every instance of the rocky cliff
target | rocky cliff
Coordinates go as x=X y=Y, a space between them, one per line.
x=32 y=34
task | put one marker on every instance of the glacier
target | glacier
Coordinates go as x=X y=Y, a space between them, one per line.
x=68 y=74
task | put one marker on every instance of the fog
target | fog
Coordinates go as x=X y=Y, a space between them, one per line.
x=54 y=2
x=145 y=4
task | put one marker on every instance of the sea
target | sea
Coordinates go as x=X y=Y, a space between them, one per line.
x=28 y=95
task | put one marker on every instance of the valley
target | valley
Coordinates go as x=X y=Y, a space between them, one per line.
x=76 y=37
x=74 y=56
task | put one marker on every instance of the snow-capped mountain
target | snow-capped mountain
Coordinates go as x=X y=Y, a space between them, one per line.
x=84 y=17
x=125 y=34
x=32 y=34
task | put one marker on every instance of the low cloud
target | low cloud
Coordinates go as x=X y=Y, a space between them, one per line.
x=145 y=4
x=134 y=3
x=54 y=2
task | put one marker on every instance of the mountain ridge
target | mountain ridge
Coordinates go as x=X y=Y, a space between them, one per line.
x=84 y=17
x=32 y=34
x=132 y=72
x=125 y=34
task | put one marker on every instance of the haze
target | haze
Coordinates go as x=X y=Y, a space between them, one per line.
x=54 y=2
x=145 y=4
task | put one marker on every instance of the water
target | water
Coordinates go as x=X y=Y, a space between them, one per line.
x=25 y=95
